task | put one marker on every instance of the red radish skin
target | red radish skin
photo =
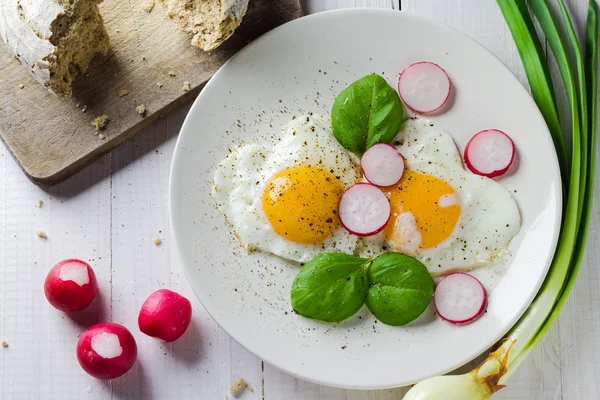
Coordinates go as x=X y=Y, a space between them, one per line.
x=490 y=153
x=70 y=285
x=364 y=209
x=460 y=298
x=382 y=165
x=106 y=350
x=165 y=315
x=424 y=87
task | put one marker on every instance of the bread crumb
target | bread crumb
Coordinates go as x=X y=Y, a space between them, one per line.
x=21 y=86
x=4 y=343
x=238 y=386
x=123 y=92
x=116 y=30
x=141 y=109
x=40 y=203
x=101 y=136
x=84 y=109
x=100 y=122
x=157 y=241
x=172 y=73
x=159 y=84
x=41 y=235
x=186 y=87
x=148 y=5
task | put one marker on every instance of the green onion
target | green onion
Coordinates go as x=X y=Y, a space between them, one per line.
x=490 y=376
x=532 y=55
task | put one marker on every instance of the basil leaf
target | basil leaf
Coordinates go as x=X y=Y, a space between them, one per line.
x=366 y=112
x=331 y=287
x=401 y=288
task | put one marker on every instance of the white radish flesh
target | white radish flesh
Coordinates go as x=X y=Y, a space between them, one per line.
x=490 y=153
x=460 y=298
x=364 y=210
x=75 y=272
x=107 y=345
x=382 y=165
x=424 y=87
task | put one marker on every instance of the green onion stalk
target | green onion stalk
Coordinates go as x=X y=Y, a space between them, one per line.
x=581 y=86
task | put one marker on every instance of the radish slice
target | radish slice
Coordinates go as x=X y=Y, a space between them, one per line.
x=424 y=87
x=460 y=298
x=490 y=153
x=364 y=210
x=382 y=165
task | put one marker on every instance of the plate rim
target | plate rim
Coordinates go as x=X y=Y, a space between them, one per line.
x=186 y=126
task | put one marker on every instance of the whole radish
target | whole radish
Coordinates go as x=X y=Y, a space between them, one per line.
x=165 y=315
x=106 y=350
x=70 y=285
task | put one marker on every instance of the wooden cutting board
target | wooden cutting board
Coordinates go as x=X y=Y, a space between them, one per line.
x=53 y=138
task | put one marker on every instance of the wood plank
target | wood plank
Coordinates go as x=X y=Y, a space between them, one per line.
x=579 y=322
x=40 y=361
x=312 y=7
x=205 y=361
x=52 y=138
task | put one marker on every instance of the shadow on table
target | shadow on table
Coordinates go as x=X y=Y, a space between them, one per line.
x=133 y=385
x=127 y=154
x=91 y=315
x=188 y=349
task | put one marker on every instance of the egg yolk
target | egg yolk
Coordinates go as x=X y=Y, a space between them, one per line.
x=432 y=202
x=301 y=204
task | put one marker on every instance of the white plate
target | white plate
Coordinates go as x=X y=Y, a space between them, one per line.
x=300 y=67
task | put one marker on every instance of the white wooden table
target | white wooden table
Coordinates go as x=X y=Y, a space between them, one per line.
x=110 y=214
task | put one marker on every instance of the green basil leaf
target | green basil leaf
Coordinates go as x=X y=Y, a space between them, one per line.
x=368 y=111
x=401 y=288
x=331 y=287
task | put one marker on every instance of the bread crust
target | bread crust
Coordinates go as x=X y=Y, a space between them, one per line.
x=55 y=39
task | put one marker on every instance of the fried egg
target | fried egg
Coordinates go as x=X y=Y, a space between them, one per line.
x=443 y=215
x=282 y=198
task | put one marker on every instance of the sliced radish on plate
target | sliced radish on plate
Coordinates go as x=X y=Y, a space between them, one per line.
x=364 y=210
x=460 y=298
x=424 y=87
x=490 y=153
x=382 y=165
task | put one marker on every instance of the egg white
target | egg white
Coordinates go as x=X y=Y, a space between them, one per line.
x=489 y=216
x=240 y=180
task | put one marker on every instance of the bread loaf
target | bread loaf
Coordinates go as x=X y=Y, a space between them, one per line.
x=55 y=39
x=210 y=21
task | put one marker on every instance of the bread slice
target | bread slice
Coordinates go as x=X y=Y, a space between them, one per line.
x=211 y=21
x=55 y=39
